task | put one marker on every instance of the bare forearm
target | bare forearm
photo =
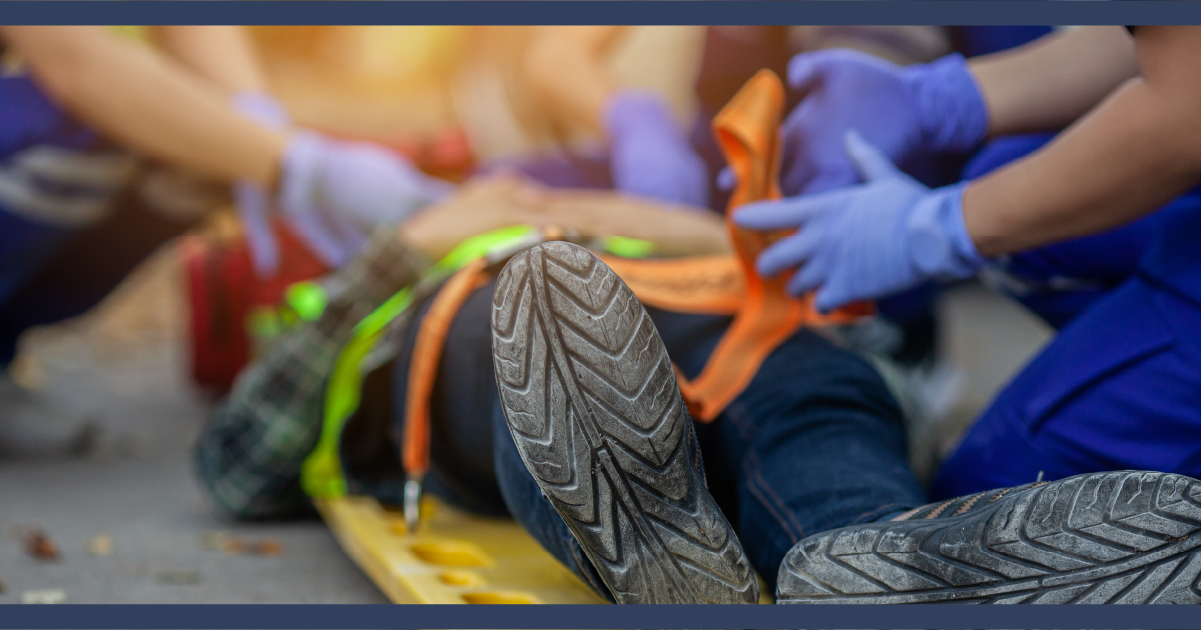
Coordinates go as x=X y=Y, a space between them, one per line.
x=567 y=67
x=1050 y=83
x=221 y=54
x=139 y=98
x=1139 y=149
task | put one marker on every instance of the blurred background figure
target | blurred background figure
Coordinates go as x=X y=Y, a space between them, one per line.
x=86 y=108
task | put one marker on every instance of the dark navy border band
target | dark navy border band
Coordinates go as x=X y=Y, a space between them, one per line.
x=303 y=617
x=932 y=12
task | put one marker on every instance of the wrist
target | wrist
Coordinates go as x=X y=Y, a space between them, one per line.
x=940 y=245
x=952 y=112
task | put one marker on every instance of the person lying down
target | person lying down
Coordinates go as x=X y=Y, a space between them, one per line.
x=555 y=402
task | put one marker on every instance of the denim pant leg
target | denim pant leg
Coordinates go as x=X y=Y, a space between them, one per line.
x=815 y=442
x=530 y=507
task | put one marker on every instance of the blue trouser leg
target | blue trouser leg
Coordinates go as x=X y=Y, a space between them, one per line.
x=25 y=246
x=50 y=273
x=1116 y=389
x=815 y=442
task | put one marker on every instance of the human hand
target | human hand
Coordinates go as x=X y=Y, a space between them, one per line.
x=650 y=155
x=900 y=110
x=334 y=192
x=252 y=200
x=866 y=241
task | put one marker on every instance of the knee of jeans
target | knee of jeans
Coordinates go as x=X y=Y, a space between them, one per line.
x=810 y=374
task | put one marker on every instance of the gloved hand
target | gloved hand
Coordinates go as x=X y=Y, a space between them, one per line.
x=650 y=154
x=334 y=192
x=252 y=201
x=866 y=241
x=934 y=107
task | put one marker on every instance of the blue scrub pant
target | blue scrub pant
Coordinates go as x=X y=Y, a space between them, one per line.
x=49 y=273
x=1120 y=385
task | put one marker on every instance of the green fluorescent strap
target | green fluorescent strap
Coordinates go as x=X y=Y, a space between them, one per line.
x=628 y=247
x=321 y=474
x=483 y=245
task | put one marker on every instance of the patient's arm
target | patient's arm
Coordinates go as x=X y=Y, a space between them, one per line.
x=485 y=205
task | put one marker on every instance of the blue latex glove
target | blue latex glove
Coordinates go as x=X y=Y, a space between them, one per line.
x=933 y=107
x=649 y=153
x=865 y=241
x=334 y=192
x=252 y=201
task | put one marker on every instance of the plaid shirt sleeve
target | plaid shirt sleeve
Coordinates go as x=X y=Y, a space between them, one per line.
x=249 y=455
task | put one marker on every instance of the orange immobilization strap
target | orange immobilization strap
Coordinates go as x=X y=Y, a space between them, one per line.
x=747 y=129
x=712 y=285
x=427 y=353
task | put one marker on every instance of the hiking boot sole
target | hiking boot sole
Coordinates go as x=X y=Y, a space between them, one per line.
x=1117 y=537
x=592 y=402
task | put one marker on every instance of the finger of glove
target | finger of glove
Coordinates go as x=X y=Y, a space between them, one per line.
x=786 y=253
x=807 y=70
x=252 y=206
x=871 y=163
x=830 y=180
x=727 y=179
x=792 y=212
x=831 y=296
x=810 y=276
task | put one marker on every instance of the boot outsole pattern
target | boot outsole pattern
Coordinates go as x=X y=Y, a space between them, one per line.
x=592 y=402
x=1117 y=537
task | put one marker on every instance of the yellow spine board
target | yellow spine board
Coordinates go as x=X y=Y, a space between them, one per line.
x=455 y=558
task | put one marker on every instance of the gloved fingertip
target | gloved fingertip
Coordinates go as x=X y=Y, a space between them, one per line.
x=727 y=180
x=801 y=282
x=870 y=161
x=825 y=301
x=803 y=71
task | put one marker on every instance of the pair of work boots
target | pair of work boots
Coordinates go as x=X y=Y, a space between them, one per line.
x=592 y=402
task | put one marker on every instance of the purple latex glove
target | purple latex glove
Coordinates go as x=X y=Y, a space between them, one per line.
x=932 y=107
x=866 y=241
x=649 y=154
x=333 y=192
x=253 y=202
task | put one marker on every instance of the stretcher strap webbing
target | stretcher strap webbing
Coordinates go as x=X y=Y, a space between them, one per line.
x=747 y=130
x=427 y=353
x=704 y=284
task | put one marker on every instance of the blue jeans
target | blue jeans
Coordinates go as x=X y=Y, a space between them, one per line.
x=815 y=442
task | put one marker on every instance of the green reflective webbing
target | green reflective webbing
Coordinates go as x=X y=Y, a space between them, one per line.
x=321 y=473
x=628 y=247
